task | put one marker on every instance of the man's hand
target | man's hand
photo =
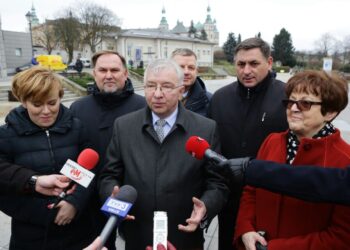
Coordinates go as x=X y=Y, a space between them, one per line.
x=114 y=194
x=96 y=245
x=52 y=185
x=249 y=240
x=65 y=213
x=198 y=213
x=169 y=246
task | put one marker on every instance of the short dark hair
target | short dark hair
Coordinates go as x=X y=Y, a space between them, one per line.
x=330 y=87
x=252 y=43
x=183 y=52
x=106 y=52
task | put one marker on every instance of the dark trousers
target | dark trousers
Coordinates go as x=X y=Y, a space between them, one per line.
x=228 y=216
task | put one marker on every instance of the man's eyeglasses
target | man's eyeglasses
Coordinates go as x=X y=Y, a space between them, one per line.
x=166 y=88
x=302 y=105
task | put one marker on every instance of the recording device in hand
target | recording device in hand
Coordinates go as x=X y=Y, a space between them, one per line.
x=117 y=207
x=160 y=229
x=258 y=245
x=199 y=148
x=78 y=171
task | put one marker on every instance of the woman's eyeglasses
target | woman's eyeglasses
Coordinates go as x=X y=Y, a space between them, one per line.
x=302 y=105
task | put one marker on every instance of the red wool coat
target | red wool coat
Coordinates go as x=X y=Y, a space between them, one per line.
x=292 y=223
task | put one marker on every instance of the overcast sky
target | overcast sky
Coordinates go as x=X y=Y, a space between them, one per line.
x=305 y=20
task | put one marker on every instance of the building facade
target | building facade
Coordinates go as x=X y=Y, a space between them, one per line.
x=139 y=46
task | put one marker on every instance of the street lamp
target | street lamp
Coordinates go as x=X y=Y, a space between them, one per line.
x=29 y=17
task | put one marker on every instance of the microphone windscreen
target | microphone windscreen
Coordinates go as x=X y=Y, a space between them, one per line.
x=88 y=158
x=196 y=146
x=127 y=193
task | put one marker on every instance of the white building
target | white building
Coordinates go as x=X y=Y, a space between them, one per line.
x=144 y=45
x=136 y=45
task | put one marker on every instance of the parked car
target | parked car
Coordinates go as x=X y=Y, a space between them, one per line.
x=86 y=62
x=23 y=67
x=71 y=66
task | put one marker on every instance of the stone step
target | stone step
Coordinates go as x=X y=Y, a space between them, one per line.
x=5 y=87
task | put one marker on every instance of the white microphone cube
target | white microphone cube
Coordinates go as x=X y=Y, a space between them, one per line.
x=160 y=229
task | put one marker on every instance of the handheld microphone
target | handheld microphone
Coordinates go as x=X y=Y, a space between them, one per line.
x=118 y=208
x=199 y=148
x=79 y=172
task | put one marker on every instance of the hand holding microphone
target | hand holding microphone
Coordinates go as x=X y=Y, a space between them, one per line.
x=200 y=148
x=79 y=172
x=118 y=208
x=51 y=185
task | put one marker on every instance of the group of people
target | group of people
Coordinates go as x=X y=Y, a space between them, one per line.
x=141 y=141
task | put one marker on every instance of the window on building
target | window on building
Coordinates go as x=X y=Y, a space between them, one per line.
x=198 y=54
x=18 y=52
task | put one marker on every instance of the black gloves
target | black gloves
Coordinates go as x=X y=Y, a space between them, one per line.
x=234 y=168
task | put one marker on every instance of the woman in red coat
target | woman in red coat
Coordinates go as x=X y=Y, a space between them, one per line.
x=314 y=100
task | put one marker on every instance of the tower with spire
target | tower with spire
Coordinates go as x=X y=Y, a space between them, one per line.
x=210 y=28
x=163 y=26
x=35 y=19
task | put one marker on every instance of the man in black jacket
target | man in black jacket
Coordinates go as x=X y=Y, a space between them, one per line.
x=246 y=112
x=112 y=97
x=16 y=179
x=195 y=98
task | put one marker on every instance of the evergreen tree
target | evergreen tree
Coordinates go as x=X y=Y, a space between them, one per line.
x=239 y=39
x=204 y=35
x=282 y=48
x=192 y=30
x=229 y=47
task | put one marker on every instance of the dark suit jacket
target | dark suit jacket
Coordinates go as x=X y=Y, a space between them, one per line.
x=164 y=175
x=307 y=183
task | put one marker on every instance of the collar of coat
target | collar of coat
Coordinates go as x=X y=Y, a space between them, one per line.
x=19 y=119
x=111 y=100
x=182 y=120
x=262 y=86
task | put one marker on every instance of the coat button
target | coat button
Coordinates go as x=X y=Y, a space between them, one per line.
x=243 y=144
x=307 y=147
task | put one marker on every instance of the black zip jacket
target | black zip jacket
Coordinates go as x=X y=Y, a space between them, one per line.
x=44 y=151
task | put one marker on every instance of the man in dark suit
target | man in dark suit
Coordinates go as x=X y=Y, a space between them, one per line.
x=147 y=152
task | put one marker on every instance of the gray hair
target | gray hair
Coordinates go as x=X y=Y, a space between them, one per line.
x=252 y=43
x=164 y=64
